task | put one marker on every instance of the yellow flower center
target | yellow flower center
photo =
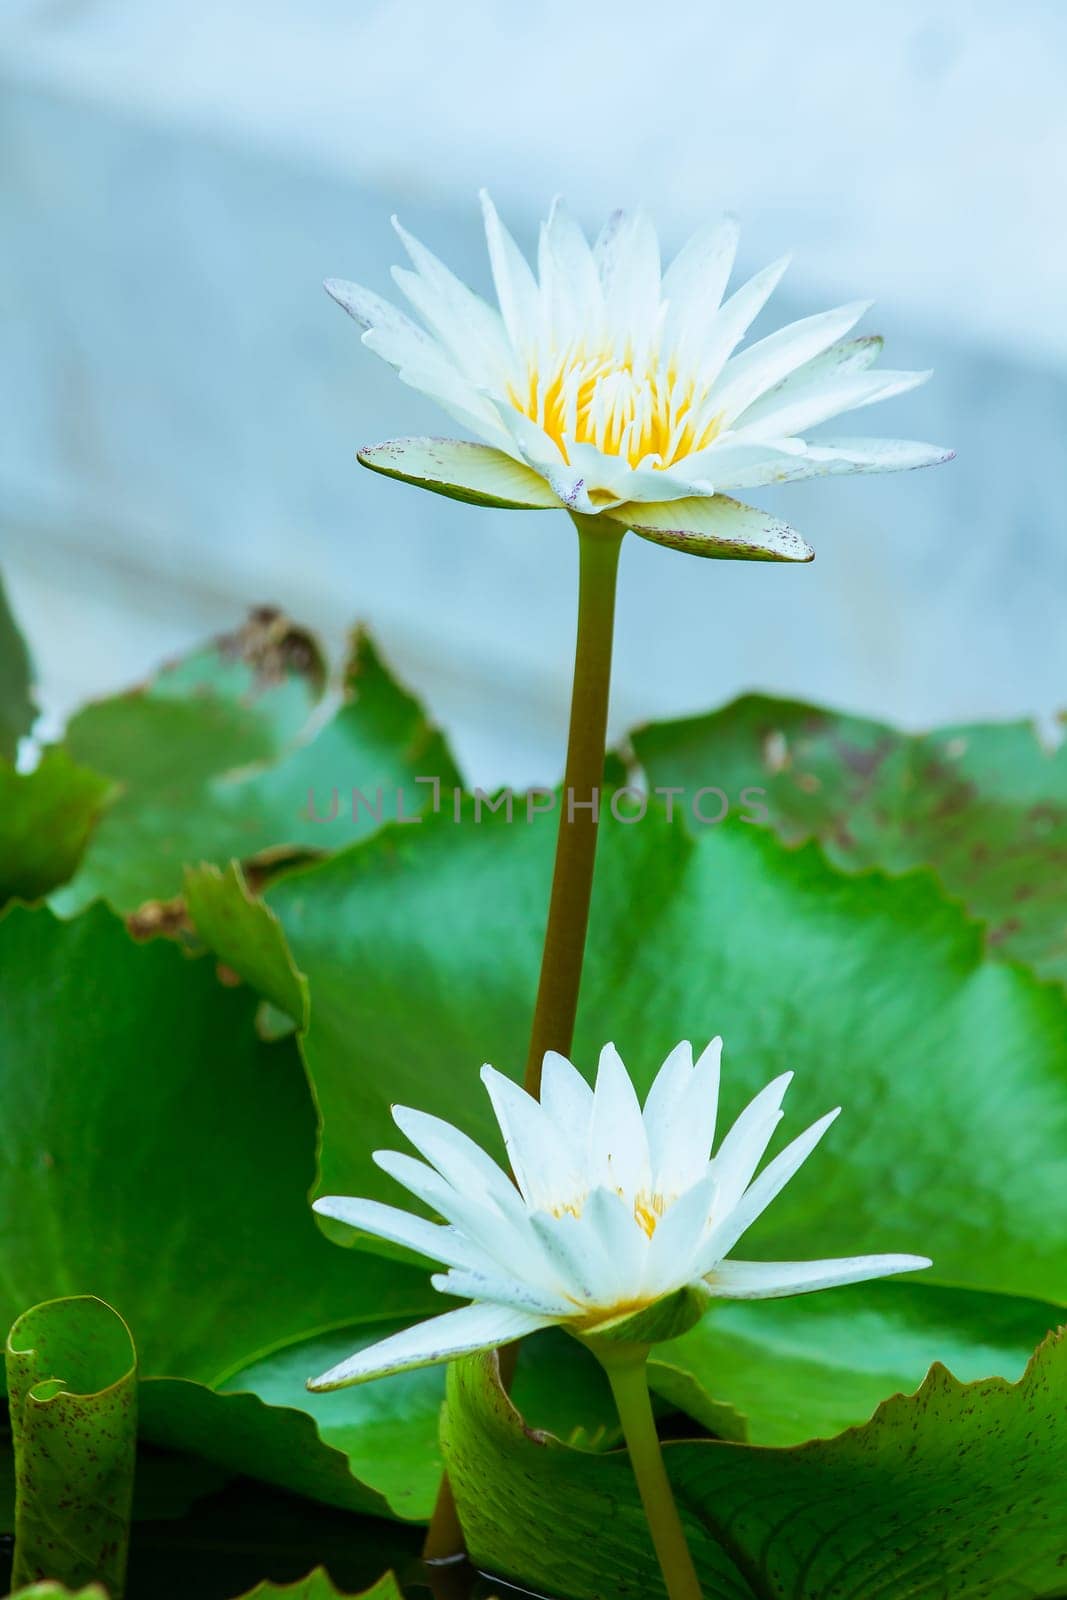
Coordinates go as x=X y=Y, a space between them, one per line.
x=648 y=1209
x=624 y=408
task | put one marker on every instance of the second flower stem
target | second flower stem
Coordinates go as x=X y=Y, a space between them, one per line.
x=599 y=543
x=556 y=1006
x=627 y=1374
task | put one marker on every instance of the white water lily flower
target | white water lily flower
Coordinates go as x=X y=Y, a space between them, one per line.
x=608 y=387
x=615 y=1212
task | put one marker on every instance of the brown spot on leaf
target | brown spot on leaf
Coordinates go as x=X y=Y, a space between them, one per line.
x=159 y=919
x=274 y=647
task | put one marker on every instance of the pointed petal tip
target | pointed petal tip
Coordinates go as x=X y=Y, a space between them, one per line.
x=340 y=291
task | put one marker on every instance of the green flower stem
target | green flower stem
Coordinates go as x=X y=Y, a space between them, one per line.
x=556 y=1006
x=599 y=543
x=626 y=1367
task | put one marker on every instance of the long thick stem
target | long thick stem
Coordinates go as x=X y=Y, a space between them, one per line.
x=572 y=878
x=626 y=1370
x=556 y=1006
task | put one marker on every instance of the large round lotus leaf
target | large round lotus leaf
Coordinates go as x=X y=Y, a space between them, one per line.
x=985 y=805
x=957 y=1491
x=225 y=755
x=159 y=1155
x=878 y=992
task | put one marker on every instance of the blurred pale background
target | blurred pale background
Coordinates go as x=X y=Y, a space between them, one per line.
x=180 y=403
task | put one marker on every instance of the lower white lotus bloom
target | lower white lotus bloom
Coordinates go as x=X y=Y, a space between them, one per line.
x=619 y=1223
x=611 y=388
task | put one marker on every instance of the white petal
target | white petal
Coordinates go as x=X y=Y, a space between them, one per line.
x=432 y=374
x=764 y=364
x=507 y=1240
x=674 y=1247
x=731 y=464
x=536 y=447
x=622 y=1242
x=587 y=1274
x=403 y=338
x=627 y=257
x=472 y=331
x=461 y=1162
x=696 y=280
x=758 y=1196
x=571 y=296
x=457 y=1333
x=735 y=318
x=793 y=414
x=543 y=1170
x=771 y=1280
x=684 y=1161
x=831 y=456
x=567 y=1099
x=516 y=287
x=503 y=1290
x=400 y=1227
x=618 y=1148
x=851 y=355
x=743 y=1147
x=658 y=1115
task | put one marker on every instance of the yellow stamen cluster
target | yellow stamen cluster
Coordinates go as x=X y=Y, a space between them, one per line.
x=638 y=410
x=648 y=1209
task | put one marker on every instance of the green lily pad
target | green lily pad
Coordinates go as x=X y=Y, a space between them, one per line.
x=878 y=992
x=159 y=1154
x=72 y=1387
x=46 y=817
x=17 y=709
x=165 y=1483
x=220 y=758
x=318 y=1585
x=960 y=1489
x=808 y=1367
x=56 y=1591
x=385 y=1433
x=243 y=932
x=984 y=805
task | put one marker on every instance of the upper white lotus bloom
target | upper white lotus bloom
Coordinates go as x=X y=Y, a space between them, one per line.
x=619 y=1222
x=609 y=387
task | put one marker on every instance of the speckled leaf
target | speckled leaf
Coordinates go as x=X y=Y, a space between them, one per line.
x=46 y=817
x=17 y=709
x=952 y=1069
x=958 y=1491
x=318 y=1585
x=220 y=758
x=715 y=526
x=985 y=805
x=462 y=470
x=136 y=1124
x=72 y=1387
